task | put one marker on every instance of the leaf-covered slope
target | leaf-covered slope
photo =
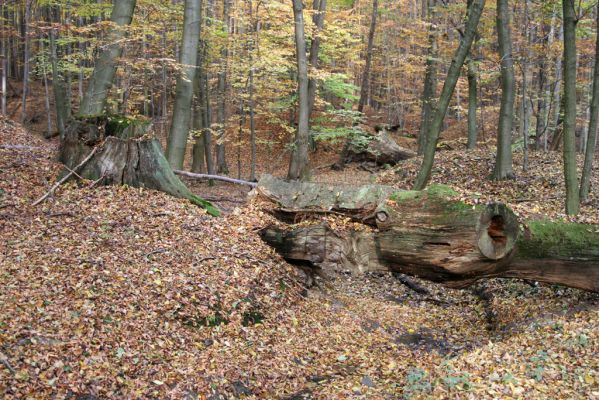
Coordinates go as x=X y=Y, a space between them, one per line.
x=126 y=293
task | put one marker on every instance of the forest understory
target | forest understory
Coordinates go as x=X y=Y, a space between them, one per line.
x=118 y=292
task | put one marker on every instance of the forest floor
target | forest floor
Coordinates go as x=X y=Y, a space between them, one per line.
x=116 y=292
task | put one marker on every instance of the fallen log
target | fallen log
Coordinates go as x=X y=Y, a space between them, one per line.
x=380 y=149
x=426 y=234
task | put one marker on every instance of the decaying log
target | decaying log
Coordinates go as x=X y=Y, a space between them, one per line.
x=381 y=149
x=426 y=234
x=127 y=156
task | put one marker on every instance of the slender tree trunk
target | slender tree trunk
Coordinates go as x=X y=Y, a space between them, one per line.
x=430 y=81
x=81 y=64
x=319 y=7
x=251 y=103
x=199 y=151
x=221 y=159
x=503 y=163
x=63 y=111
x=570 y=174
x=206 y=104
x=4 y=55
x=49 y=132
x=28 y=4
x=474 y=12
x=556 y=92
x=472 y=103
x=591 y=147
x=299 y=165
x=95 y=96
x=177 y=140
x=526 y=107
x=364 y=90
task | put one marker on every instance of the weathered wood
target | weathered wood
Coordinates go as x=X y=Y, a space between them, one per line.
x=216 y=178
x=427 y=234
x=381 y=149
x=125 y=156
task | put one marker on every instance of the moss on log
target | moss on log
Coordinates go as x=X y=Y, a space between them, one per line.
x=127 y=156
x=381 y=149
x=427 y=234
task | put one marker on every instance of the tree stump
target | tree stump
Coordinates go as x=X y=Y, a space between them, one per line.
x=128 y=155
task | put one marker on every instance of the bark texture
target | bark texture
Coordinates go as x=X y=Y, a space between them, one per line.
x=366 y=74
x=299 y=165
x=503 y=162
x=474 y=12
x=570 y=174
x=381 y=149
x=177 y=140
x=587 y=171
x=126 y=156
x=425 y=233
x=94 y=100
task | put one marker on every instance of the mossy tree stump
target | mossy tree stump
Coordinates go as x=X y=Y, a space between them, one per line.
x=128 y=155
x=426 y=234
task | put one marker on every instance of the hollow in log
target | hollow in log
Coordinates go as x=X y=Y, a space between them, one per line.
x=426 y=234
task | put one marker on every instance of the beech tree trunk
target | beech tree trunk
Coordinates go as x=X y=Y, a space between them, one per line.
x=221 y=158
x=570 y=174
x=472 y=103
x=177 y=140
x=587 y=171
x=474 y=12
x=299 y=165
x=503 y=162
x=430 y=80
x=319 y=8
x=366 y=74
x=95 y=96
x=63 y=111
x=426 y=234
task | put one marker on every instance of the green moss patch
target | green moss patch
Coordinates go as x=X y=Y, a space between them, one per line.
x=544 y=238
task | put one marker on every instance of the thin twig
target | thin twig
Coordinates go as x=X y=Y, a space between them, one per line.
x=64 y=178
x=4 y=361
x=216 y=178
x=19 y=147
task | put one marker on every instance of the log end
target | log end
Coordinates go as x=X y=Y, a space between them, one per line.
x=497 y=231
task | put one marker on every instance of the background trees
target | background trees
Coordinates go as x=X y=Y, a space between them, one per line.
x=247 y=94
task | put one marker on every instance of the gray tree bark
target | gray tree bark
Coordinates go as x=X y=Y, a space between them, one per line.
x=472 y=103
x=221 y=158
x=570 y=174
x=299 y=165
x=28 y=4
x=177 y=140
x=366 y=74
x=430 y=80
x=474 y=13
x=100 y=82
x=503 y=162
x=319 y=7
x=423 y=233
x=591 y=147
x=63 y=111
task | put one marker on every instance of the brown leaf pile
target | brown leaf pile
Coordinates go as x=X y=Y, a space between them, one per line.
x=110 y=292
